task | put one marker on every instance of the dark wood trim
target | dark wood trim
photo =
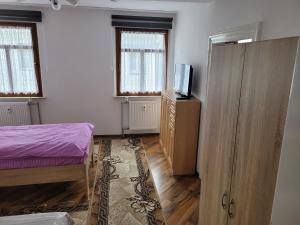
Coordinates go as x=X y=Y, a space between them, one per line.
x=35 y=48
x=36 y=56
x=150 y=25
x=118 y=59
x=8 y=95
x=20 y=15
x=142 y=18
x=17 y=24
x=124 y=21
x=140 y=94
x=142 y=30
x=118 y=136
x=167 y=54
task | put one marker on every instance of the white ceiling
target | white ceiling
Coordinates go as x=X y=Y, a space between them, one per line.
x=155 y=5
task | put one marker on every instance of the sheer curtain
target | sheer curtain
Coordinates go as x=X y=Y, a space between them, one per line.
x=17 y=69
x=143 y=62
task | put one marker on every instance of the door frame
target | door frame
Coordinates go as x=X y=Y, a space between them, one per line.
x=248 y=31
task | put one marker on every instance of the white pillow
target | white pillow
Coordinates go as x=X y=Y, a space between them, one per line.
x=56 y=218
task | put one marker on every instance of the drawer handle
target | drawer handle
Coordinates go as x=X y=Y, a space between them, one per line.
x=231 y=210
x=225 y=199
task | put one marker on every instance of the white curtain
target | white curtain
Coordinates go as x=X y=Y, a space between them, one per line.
x=143 y=62
x=4 y=78
x=17 y=69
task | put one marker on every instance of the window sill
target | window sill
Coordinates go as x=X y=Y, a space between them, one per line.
x=137 y=97
x=21 y=98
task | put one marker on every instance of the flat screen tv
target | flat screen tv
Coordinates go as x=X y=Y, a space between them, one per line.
x=183 y=80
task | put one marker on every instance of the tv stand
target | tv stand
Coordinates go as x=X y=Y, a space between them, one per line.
x=182 y=97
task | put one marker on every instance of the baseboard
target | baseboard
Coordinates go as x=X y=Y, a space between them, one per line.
x=115 y=136
x=127 y=131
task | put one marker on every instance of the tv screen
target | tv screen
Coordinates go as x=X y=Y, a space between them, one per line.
x=183 y=79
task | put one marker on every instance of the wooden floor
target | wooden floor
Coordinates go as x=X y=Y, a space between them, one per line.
x=179 y=195
x=65 y=196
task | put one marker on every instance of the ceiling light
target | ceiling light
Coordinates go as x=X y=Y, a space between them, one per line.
x=55 y=4
x=245 y=40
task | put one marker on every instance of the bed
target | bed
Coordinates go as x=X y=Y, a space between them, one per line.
x=38 y=154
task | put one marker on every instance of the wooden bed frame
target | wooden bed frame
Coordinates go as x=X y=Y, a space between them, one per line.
x=54 y=174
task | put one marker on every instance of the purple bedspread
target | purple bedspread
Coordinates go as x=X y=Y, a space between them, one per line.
x=45 y=141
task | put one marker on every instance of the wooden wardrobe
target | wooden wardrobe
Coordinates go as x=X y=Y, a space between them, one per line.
x=247 y=98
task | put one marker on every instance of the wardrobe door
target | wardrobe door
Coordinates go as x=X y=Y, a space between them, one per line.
x=222 y=101
x=267 y=76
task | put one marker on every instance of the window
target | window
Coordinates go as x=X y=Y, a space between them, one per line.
x=141 y=61
x=19 y=60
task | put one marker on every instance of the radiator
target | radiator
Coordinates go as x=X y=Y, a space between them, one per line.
x=14 y=113
x=144 y=115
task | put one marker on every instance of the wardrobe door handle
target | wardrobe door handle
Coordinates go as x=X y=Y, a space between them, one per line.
x=225 y=199
x=231 y=210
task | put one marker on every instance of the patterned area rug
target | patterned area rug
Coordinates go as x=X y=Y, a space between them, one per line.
x=125 y=193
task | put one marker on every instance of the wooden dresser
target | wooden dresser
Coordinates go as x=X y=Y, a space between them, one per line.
x=179 y=128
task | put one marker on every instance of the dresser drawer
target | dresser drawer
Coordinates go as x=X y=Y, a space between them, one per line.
x=172 y=106
x=171 y=131
x=172 y=110
x=172 y=120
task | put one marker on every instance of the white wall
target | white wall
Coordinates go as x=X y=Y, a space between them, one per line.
x=77 y=54
x=195 y=24
x=77 y=68
x=280 y=18
x=191 y=41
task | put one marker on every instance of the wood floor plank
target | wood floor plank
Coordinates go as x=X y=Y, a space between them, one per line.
x=179 y=195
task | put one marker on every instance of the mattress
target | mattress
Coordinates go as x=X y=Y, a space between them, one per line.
x=44 y=145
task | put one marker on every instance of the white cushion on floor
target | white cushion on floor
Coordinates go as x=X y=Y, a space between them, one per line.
x=60 y=218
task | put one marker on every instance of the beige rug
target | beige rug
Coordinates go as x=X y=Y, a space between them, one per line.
x=125 y=193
